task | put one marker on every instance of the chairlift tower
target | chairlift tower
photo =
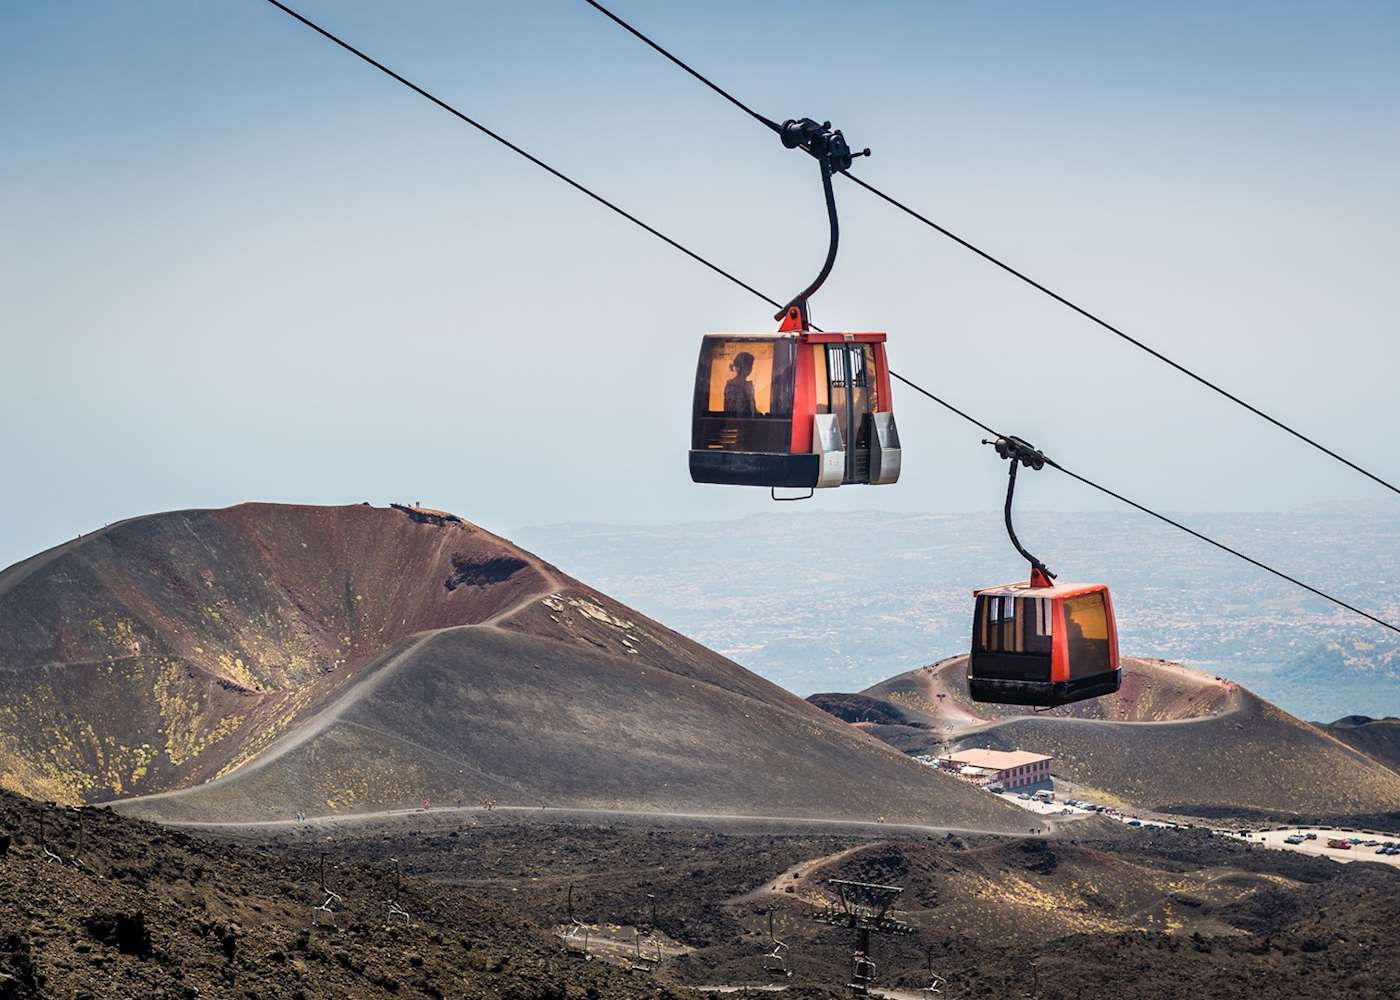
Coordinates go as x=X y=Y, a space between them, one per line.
x=864 y=907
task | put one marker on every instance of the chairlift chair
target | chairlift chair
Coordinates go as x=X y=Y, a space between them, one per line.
x=863 y=973
x=574 y=938
x=328 y=910
x=49 y=856
x=574 y=941
x=76 y=858
x=775 y=962
x=936 y=982
x=396 y=911
x=645 y=960
x=331 y=902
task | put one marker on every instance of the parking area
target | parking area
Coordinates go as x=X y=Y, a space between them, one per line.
x=1071 y=807
x=1322 y=842
x=1382 y=848
x=1030 y=803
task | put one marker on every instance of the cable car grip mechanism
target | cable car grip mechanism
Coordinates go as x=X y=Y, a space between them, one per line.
x=833 y=155
x=1020 y=452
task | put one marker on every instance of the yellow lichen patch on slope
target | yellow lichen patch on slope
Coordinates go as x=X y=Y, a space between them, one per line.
x=916 y=702
x=188 y=732
x=268 y=731
x=1039 y=904
x=18 y=775
x=118 y=638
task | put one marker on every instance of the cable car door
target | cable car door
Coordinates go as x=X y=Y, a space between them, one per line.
x=854 y=396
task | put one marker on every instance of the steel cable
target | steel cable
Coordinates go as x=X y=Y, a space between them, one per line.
x=990 y=258
x=754 y=291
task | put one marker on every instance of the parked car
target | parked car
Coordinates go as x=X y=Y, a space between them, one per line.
x=1309 y=836
x=1295 y=839
x=1135 y=822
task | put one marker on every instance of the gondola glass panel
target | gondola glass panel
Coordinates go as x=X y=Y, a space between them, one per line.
x=1086 y=630
x=1012 y=639
x=744 y=395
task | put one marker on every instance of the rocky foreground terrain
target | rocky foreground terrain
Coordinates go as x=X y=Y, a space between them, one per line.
x=134 y=910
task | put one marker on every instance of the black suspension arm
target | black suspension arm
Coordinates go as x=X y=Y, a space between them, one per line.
x=1019 y=453
x=833 y=155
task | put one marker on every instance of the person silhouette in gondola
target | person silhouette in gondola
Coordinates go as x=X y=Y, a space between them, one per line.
x=738 y=391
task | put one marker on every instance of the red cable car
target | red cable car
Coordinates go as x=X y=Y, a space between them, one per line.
x=1040 y=643
x=1043 y=644
x=797 y=409
x=800 y=408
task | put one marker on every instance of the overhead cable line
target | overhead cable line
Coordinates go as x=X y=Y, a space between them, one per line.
x=516 y=149
x=1159 y=516
x=1014 y=272
x=705 y=80
x=773 y=302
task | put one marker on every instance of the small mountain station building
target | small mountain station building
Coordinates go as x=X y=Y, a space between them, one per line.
x=1008 y=768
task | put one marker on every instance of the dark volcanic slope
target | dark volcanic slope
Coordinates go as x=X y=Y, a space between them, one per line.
x=163 y=650
x=1378 y=738
x=1173 y=738
x=355 y=659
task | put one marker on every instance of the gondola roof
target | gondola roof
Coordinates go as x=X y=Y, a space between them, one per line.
x=1024 y=588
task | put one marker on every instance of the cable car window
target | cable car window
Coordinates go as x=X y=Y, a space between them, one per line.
x=1035 y=612
x=1086 y=628
x=999 y=628
x=862 y=361
x=868 y=396
x=836 y=379
x=1014 y=625
x=1043 y=616
x=823 y=399
x=743 y=395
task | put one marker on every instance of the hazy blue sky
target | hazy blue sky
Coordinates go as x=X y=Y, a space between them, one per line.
x=240 y=264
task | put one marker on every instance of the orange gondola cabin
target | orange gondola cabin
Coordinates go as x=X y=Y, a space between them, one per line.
x=798 y=409
x=1043 y=643
x=801 y=408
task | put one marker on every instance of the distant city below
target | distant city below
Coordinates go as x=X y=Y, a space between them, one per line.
x=820 y=601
